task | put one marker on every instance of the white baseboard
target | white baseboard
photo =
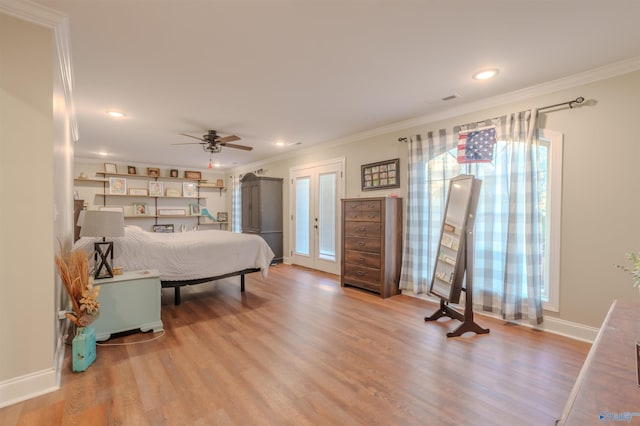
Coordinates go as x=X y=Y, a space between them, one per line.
x=559 y=326
x=28 y=386
x=34 y=384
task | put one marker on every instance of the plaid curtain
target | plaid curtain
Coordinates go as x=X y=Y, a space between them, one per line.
x=236 y=203
x=507 y=244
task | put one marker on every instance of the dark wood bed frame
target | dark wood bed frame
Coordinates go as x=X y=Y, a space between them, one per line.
x=177 y=284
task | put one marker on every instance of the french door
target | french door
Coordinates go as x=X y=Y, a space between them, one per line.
x=315 y=195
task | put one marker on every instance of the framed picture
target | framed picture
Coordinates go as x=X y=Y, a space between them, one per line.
x=447 y=240
x=111 y=209
x=381 y=175
x=138 y=191
x=172 y=192
x=163 y=228
x=110 y=168
x=219 y=182
x=449 y=228
x=189 y=189
x=140 y=209
x=171 y=212
x=153 y=171
x=156 y=189
x=222 y=217
x=117 y=185
x=173 y=173
x=192 y=175
x=194 y=209
x=132 y=170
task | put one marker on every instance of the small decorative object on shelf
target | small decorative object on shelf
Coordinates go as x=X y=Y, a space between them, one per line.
x=117 y=186
x=222 y=217
x=110 y=168
x=140 y=209
x=189 y=174
x=156 y=188
x=189 y=189
x=138 y=191
x=153 y=172
x=219 y=182
x=194 y=209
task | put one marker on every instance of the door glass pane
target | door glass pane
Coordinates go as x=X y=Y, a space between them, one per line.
x=302 y=215
x=327 y=216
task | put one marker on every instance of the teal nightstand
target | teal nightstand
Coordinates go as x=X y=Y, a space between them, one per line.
x=128 y=302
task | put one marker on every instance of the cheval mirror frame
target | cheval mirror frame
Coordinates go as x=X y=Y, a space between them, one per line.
x=454 y=262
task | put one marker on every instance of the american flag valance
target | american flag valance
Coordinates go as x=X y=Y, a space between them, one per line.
x=477 y=146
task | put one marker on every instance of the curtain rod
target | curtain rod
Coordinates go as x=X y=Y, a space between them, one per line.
x=571 y=104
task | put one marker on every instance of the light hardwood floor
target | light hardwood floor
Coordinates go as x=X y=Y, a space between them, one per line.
x=298 y=349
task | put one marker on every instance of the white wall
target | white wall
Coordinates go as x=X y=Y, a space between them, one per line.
x=600 y=202
x=27 y=291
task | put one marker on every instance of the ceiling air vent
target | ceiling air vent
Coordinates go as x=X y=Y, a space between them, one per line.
x=450 y=97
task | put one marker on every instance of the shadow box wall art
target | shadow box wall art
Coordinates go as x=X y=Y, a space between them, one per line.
x=381 y=175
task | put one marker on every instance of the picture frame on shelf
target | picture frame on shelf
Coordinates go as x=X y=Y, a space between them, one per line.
x=195 y=209
x=156 y=189
x=163 y=228
x=110 y=168
x=111 y=209
x=222 y=217
x=153 y=172
x=132 y=170
x=140 y=209
x=172 y=192
x=380 y=175
x=172 y=212
x=139 y=191
x=117 y=186
x=190 y=174
x=449 y=228
x=220 y=182
x=173 y=173
x=447 y=240
x=189 y=189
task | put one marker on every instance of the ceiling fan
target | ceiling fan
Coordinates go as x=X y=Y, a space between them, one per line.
x=213 y=143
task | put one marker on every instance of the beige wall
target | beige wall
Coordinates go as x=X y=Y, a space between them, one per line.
x=599 y=197
x=26 y=185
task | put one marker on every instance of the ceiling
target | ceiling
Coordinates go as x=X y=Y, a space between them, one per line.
x=311 y=71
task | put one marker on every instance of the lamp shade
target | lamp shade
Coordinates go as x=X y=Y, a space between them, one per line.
x=102 y=224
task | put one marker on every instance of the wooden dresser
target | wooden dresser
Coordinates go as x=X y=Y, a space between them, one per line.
x=372 y=244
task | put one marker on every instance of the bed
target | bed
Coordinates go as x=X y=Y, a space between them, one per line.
x=188 y=258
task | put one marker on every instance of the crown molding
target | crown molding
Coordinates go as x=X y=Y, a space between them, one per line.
x=586 y=77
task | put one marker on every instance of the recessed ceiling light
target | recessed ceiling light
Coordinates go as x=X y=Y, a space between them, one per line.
x=116 y=114
x=103 y=153
x=485 y=74
x=281 y=143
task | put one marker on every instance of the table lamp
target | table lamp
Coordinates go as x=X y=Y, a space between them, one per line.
x=103 y=224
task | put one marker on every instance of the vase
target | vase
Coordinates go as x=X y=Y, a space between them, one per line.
x=83 y=348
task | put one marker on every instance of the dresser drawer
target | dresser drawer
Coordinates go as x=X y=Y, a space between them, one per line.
x=363 y=277
x=362 y=229
x=362 y=244
x=362 y=258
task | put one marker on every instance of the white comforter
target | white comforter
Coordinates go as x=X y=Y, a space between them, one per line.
x=187 y=255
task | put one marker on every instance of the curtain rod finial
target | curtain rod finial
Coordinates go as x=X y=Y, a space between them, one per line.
x=403 y=140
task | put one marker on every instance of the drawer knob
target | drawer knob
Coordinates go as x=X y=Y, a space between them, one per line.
x=360 y=273
x=360 y=243
x=362 y=228
x=361 y=259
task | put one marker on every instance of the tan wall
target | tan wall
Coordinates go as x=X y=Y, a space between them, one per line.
x=26 y=185
x=599 y=197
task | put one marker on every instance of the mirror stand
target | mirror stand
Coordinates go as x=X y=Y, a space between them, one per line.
x=468 y=324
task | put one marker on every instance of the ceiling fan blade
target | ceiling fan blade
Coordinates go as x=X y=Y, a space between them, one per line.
x=229 y=138
x=233 y=145
x=189 y=143
x=195 y=137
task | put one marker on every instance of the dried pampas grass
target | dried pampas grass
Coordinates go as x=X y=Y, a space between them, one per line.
x=73 y=268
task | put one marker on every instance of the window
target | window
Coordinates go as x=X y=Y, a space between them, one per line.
x=491 y=216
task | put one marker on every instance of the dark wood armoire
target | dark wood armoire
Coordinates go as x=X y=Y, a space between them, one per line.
x=262 y=210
